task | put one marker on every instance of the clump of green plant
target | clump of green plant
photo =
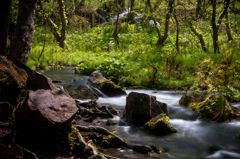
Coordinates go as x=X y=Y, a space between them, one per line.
x=238 y=135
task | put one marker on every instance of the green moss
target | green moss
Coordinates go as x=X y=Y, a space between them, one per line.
x=3 y=78
x=213 y=108
x=238 y=135
x=154 y=121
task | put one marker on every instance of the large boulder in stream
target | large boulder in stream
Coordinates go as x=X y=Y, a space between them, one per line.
x=45 y=111
x=80 y=92
x=159 y=125
x=106 y=86
x=141 y=107
x=12 y=80
x=210 y=107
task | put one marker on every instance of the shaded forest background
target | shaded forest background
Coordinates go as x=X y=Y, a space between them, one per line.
x=169 y=44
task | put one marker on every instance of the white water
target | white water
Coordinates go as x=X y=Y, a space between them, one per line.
x=194 y=138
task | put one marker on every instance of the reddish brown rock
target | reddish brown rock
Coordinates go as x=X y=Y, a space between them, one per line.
x=12 y=79
x=11 y=75
x=35 y=79
x=46 y=111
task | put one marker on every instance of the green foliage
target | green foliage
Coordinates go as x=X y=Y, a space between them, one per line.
x=238 y=135
x=136 y=62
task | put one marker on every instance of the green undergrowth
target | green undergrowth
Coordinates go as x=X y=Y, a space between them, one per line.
x=136 y=62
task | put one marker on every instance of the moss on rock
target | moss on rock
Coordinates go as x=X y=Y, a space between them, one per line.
x=212 y=108
x=160 y=125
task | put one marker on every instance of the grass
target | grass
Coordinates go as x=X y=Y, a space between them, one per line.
x=136 y=62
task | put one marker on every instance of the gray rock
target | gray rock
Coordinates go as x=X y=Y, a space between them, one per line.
x=80 y=92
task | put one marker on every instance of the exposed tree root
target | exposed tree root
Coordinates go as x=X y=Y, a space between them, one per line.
x=4 y=125
x=119 y=141
x=94 y=150
x=99 y=156
x=29 y=153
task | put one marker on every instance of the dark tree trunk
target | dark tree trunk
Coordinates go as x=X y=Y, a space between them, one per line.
x=168 y=15
x=4 y=19
x=60 y=35
x=155 y=22
x=199 y=36
x=22 y=41
x=199 y=5
x=64 y=24
x=82 y=3
x=116 y=30
x=228 y=28
x=122 y=3
x=131 y=15
x=177 y=35
x=216 y=25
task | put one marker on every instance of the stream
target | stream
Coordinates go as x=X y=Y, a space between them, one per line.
x=194 y=139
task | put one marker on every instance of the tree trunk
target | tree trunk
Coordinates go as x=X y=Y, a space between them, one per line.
x=131 y=15
x=177 y=35
x=198 y=9
x=63 y=21
x=116 y=30
x=22 y=41
x=4 y=19
x=82 y=3
x=228 y=29
x=122 y=3
x=168 y=15
x=216 y=25
x=199 y=36
x=60 y=35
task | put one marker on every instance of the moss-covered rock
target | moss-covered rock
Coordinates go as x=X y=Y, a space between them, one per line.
x=160 y=125
x=187 y=100
x=215 y=108
x=106 y=86
x=210 y=107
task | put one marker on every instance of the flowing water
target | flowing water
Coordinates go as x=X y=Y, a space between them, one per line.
x=194 y=139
